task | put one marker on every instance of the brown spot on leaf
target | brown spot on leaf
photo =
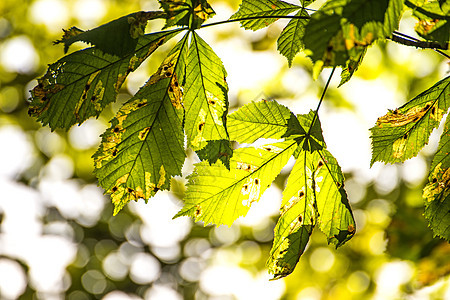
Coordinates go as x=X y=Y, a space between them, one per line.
x=143 y=133
x=301 y=194
x=200 y=126
x=300 y=219
x=320 y=164
x=434 y=180
x=114 y=152
x=198 y=210
x=116 y=129
x=256 y=181
x=114 y=189
x=130 y=190
x=351 y=228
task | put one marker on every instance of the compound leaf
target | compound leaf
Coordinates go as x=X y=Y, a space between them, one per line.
x=118 y=37
x=263 y=119
x=314 y=196
x=81 y=84
x=219 y=196
x=262 y=8
x=205 y=95
x=289 y=42
x=437 y=192
x=144 y=147
x=400 y=134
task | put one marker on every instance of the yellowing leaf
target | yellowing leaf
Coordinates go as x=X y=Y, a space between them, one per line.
x=400 y=134
x=218 y=196
x=143 y=148
x=81 y=84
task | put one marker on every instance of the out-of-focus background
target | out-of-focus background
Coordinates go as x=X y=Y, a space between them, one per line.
x=59 y=240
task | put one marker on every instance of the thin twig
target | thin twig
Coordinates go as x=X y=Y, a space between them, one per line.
x=321 y=99
x=255 y=18
x=407 y=40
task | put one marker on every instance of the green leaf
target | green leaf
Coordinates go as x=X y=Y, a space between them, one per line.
x=437 y=192
x=341 y=29
x=81 y=84
x=144 y=148
x=400 y=134
x=118 y=37
x=219 y=196
x=433 y=21
x=205 y=95
x=190 y=13
x=214 y=150
x=314 y=196
x=351 y=66
x=296 y=223
x=289 y=42
x=259 y=9
x=263 y=119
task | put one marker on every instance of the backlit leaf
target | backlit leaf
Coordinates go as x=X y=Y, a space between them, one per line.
x=81 y=84
x=205 y=95
x=400 y=134
x=289 y=42
x=218 y=196
x=437 y=192
x=118 y=37
x=342 y=29
x=144 y=148
x=259 y=9
x=263 y=119
x=314 y=196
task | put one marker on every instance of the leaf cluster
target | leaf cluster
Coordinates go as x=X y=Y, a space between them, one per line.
x=185 y=102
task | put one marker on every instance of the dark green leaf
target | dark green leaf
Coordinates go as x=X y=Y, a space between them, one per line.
x=258 y=9
x=81 y=84
x=214 y=150
x=341 y=29
x=144 y=148
x=400 y=134
x=118 y=37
